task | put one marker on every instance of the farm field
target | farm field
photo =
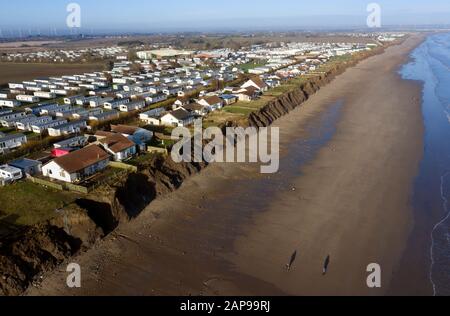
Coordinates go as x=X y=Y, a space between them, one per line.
x=16 y=72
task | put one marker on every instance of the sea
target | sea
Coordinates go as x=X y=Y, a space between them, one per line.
x=430 y=64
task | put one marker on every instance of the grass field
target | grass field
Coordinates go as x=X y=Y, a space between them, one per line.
x=17 y=72
x=25 y=203
x=219 y=117
x=238 y=110
x=251 y=65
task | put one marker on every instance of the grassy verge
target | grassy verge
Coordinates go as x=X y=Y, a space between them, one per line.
x=252 y=65
x=25 y=203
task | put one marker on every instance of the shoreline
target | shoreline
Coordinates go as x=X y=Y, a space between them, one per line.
x=171 y=249
x=429 y=199
x=350 y=278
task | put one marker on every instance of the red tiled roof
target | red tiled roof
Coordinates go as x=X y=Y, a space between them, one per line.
x=81 y=159
x=117 y=142
x=124 y=129
x=261 y=84
x=213 y=100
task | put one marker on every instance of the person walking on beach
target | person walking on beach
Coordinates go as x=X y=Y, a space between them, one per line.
x=291 y=262
x=325 y=265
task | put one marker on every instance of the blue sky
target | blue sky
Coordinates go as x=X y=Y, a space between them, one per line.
x=204 y=15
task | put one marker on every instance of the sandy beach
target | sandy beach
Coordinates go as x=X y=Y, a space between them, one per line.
x=231 y=230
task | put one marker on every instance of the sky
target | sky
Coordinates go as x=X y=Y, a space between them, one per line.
x=145 y=16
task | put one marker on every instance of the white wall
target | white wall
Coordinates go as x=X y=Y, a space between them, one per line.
x=54 y=171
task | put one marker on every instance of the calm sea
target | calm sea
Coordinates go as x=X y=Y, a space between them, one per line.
x=431 y=65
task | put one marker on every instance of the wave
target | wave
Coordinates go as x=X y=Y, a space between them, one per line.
x=440 y=234
x=431 y=65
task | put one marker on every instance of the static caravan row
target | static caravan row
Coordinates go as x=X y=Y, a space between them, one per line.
x=38 y=108
x=79 y=141
x=152 y=117
x=12 y=115
x=115 y=104
x=86 y=100
x=12 y=141
x=109 y=115
x=156 y=98
x=32 y=88
x=99 y=102
x=45 y=94
x=132 y=106
x=68 y=128
x=16 y=86
x=59 y=91
x=9 y=103
x=72 y=100
x=26 y=124
x=27 y=98
x=5 y=95
x=42 y=127
x=52 y=110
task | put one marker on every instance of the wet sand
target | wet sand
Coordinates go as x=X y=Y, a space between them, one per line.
x=344 y=192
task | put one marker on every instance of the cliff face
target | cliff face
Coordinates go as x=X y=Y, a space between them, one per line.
x=40 y=249
x=292 y=99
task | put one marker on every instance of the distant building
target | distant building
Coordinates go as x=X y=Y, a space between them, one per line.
x=115 y=104
x=105 y=116
x=152 y=117
x=27 y=166
x=12 y=141
x=196 y=109
x=257 y=83
x=213 y=102
x=67 y=128
x=163 y=53
x=132 y=106
x=79 y=141
x=120 y=147
x=229 y=98
x=9 y=103
x=140 y=136
x=9 y=173
x=40 y=128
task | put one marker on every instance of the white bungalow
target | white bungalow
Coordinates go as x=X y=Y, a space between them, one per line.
x=77 y=165
x=179 y=117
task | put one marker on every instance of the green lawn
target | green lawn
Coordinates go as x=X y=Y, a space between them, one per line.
x=252 y=65
x=28 y=203
x=238 y=110
x=141 y=160
x=6 y=130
